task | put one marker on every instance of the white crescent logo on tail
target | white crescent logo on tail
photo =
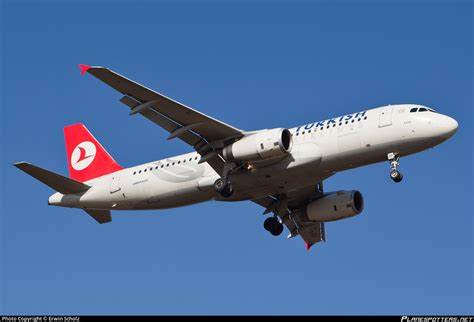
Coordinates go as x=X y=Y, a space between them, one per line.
x=83 y=155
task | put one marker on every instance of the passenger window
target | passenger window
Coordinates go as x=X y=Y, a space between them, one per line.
x=162 y=166
x=134 y=172
x=140 y=171
x=144 y=170
x=365 y=118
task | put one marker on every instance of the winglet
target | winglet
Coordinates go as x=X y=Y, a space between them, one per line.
x=84 y=68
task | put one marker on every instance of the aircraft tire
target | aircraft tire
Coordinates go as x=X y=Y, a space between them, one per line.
x=273 y=226
x=228 y=191
x=220 y=185
x=277 y=229
x=396 y=176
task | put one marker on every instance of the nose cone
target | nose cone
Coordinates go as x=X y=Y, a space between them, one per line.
x=448 y=126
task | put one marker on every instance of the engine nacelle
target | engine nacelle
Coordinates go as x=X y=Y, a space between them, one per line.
x=335 y=206
x=263 y=145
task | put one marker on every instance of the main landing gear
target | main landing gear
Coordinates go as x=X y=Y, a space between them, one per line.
x=273 y=225
x=394 y=159
x=223 y=187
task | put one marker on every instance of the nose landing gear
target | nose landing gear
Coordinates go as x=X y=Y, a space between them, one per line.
x=394 y=159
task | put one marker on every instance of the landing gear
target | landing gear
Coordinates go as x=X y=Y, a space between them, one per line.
x=223 y=187
x=396 y=176
x=272 y=225
x=394 y=159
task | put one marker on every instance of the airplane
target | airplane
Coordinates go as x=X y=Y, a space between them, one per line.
x=280 y=169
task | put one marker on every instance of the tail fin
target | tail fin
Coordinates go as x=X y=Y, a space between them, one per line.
x=87 y=159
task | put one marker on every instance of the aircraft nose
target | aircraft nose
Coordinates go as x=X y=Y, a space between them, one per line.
x=449 y=126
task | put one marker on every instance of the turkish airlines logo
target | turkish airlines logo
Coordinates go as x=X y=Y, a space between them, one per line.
x=83 y=155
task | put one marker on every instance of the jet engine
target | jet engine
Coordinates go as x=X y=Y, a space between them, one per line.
x=334 y=206
x=262 y=145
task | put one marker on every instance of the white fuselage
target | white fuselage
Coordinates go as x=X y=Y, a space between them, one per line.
x=320 y=149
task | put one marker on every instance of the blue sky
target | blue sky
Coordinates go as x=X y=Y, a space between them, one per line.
x=253 y=65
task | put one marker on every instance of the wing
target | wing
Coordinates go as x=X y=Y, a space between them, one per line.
x=202 y=132
x=288 y=207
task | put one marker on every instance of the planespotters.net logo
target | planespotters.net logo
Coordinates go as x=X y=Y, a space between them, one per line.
x=437 y=319
x=83 y=155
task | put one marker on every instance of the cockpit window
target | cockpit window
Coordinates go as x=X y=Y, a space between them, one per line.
x=422 y=109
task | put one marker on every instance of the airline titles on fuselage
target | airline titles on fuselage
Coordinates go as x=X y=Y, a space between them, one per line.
x=335 y=120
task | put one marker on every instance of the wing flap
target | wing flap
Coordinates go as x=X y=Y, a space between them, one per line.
x=312 y=234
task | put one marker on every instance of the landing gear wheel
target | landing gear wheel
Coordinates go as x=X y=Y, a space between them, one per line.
x=268 y=223
x=277 y=229
x=228 y=191
x=272 y=225
x=223 y=187
x=220 y=185
x=396 y=176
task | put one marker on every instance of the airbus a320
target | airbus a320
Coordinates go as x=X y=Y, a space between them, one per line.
x=280 y=169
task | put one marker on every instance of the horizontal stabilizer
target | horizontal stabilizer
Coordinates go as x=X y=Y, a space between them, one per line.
x=101 y=216
x=53 y=180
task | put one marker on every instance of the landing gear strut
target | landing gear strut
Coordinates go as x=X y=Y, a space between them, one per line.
x=272 y=225
x=394 y=159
